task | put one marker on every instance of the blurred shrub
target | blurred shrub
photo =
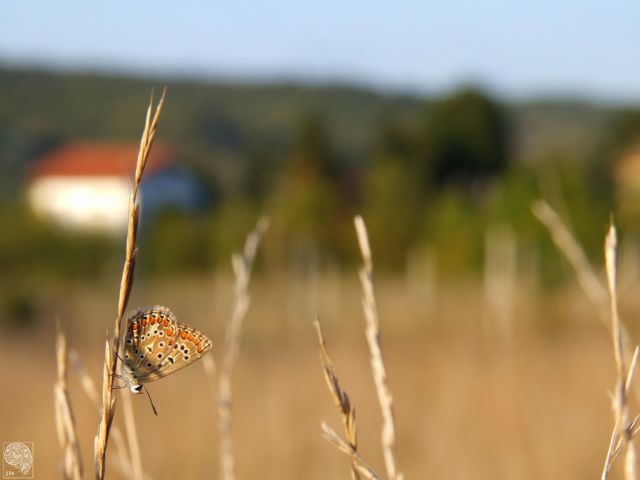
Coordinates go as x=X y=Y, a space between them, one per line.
x=466 y=137
x=392 y=211
x=177 y=243
x=309 y=206
x=28 y=245
x=18 y=309
x=232 y=222
x=454 y=228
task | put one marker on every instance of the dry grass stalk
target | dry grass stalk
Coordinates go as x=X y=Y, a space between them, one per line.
x=132 y=436
x=242 y=266
x=209 y=365
x=357 y=463
x=111 y=352
x=347 y=412
x=65 y=422
x=377 y=362
x=500 y=273
x=591 y=285
x=124 y=464
x=587 y=279
x=566 y=243
x=623 y=430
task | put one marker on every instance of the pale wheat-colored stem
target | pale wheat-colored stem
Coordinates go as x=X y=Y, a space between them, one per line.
x=126 y=282
x=356 y=461
x=341 y=399
x=622 y=436
x=566 y=243
x=242 y=266
x=124 y=464
x=615 y=444
x=132 y=436
x=385 y=398
x=623 y=430
x=65 y=421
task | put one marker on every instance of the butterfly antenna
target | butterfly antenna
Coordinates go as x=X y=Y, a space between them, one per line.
x=151 y=401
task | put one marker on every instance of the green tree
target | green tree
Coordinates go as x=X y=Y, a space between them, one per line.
x=391 y=210
x=390 y=195
x=625 y=128
x=307 y=206
x=465 y=138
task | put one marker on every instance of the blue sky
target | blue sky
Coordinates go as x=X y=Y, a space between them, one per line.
x=517 y=49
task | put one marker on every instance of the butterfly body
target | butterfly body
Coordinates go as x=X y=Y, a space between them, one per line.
x=156 y=345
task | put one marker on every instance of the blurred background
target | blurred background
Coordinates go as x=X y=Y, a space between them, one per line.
x=440 y=124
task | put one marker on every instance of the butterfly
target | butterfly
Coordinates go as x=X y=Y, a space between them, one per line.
x=156 y=345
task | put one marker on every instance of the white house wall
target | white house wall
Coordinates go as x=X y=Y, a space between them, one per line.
x=87 y=203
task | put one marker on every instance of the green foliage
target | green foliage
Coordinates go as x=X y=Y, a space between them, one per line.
x=309 y=209
x=625 y=128
x=177 y=243
x=18 y=309
x=454 y=228
x=465 y=138
x=28 y=245
x=231 y=224
x=392 y=210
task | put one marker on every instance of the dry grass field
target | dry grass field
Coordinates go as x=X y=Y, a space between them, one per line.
x=470 y=402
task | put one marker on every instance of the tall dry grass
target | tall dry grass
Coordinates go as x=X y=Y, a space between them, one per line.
x=441 y=378
x=586 y=275
x=242 y=264
x=385 y=400
x=124 y=464
x=347 y=413
x=126 y=283
x=65 y=422
x=378 y=368
x=624 y=428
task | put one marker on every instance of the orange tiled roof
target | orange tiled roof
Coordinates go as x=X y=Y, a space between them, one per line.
x=94 y=158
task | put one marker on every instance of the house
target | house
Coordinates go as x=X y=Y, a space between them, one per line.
x=86 y=185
